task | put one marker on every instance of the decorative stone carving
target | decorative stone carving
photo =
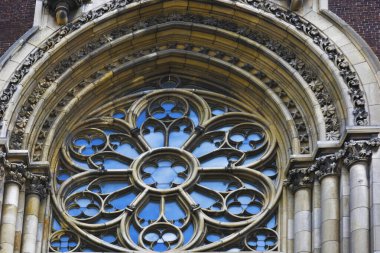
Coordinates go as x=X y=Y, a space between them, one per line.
x=62 y=8
x=37 y=184
x=357 y=151
x=288 y=102
x=325 y=165
x=352 y=152
x=15 y=172
x=306 y=27
x=299 y=178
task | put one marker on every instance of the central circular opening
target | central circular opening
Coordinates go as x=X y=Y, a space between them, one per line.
x=165 y=173
x=165 y=169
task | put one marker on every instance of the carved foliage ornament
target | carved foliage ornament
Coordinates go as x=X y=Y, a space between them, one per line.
x=324 y=98
x=352 y=152
x=306 y=27
x=18 y=173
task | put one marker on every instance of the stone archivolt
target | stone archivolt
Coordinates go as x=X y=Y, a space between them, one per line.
x=323 y=97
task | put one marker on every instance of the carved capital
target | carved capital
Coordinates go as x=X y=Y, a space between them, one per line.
x=299 y=178
x=15 y=172
x=359 y=151
x=326 y=165
x=37 y=184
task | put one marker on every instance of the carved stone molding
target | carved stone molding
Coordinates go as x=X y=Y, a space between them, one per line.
x=62 y=9
x=349 y=76
x=353 y=151
x=356 y=151
x=298 y=118
x=324 y=99
x=299 y=178
x=325 y=165
x=37 y=184
x=15 y=172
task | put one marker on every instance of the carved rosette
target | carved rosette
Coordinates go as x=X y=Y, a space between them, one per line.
x=37 y=184
x=299 y=178
x=359 y=151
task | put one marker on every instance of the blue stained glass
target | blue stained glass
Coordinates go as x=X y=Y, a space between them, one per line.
x=118 y=115
x=194 y=117
x=81 y=142
x=155 y=138
x=174 y=213
x=102 y=220
x=106 y=187
x=219 y=161
x=205 y=201
x=272 y=224
x=79 y=189
x=121 y=200
x=141 y=119
x=178 y=137
x=213 y=237
x=250 y=158
x=220 y=185
x=218 y=111
x=125 y=149
x=134 y=233
x=250 y=185
x=63 y=176
x=150 y=212
x=111 y=164
x=160 y=247
x=188 y=233
x=168 y=110
x=81 y=164
x=110 y=238
x=223 y=218
x=55 y=225
x=110 y=131
x=208 y=146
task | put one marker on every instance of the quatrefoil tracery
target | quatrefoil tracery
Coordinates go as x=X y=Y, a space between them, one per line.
x=169 y=165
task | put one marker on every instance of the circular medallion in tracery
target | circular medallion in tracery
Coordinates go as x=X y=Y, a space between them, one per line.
x=174 y=170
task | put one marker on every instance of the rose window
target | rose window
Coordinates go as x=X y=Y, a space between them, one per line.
x=164 y=171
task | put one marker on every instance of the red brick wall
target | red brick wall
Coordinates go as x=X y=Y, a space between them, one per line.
x=363 y=16
x=16 y=17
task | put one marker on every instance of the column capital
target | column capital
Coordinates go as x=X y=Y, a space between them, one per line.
x=359 y=151
x=37 y=184
x=299 y=178
x=14 y=172
x=326 y=165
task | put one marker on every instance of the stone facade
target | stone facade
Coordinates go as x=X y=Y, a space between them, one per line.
x=286 y=92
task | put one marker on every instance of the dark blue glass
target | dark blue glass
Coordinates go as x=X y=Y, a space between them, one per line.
x=174 y=213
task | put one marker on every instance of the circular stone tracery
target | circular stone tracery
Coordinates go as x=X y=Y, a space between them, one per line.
x=165 y=169
x=176 y=169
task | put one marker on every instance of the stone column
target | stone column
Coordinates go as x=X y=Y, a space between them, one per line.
x=344 y=211
x=327 y=171
x=375 y=201
x=301 y=183
x=290 y=231
x=36 y=189
x=316 y=224
x=14 y=179
x=356 y=159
